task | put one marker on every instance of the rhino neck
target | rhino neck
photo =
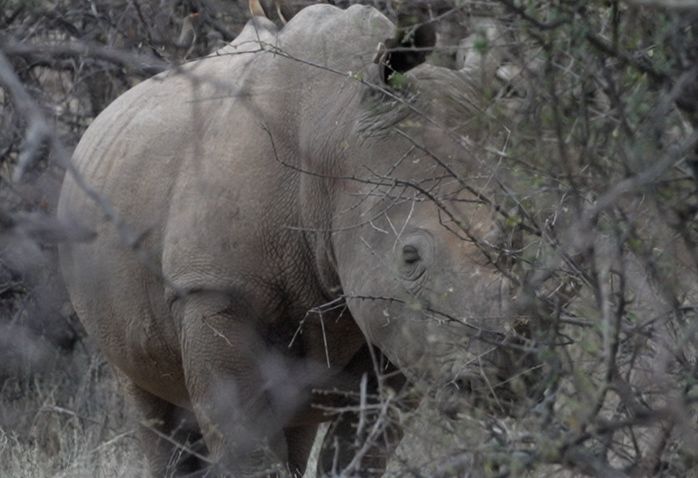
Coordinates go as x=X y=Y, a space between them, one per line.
x=325 y=103
x=327 y=156
x=324 y=160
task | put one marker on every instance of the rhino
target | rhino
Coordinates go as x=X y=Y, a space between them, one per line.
x=291 y=222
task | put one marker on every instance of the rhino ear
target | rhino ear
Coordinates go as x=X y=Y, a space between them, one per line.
x=284 y=12
x=262 y=9
x=407 y=49
x=257 y=9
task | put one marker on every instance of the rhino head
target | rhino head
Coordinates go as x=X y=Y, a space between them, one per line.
x=415 y=244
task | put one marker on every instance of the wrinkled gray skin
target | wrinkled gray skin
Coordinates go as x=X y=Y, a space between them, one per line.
x=239 y=210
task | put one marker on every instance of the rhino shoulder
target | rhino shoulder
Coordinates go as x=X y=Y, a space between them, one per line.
x=337 y=25
x=257 y=31
x=341 y=39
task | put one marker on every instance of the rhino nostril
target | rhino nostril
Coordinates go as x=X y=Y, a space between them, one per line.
x=452 y=395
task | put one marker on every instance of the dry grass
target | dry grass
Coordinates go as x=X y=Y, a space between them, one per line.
x=68 y=420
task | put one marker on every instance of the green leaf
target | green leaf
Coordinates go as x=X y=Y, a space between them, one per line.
x=397 y=80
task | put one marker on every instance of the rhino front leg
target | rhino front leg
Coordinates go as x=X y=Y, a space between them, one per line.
x=351 y=450
x=167 y=434
x=221 y=356
x=360 y=440
x=300 y=443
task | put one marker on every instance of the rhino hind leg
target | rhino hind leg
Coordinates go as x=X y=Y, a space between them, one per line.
x=168 y=434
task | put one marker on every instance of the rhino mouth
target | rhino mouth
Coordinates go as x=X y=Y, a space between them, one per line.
x=496 y=395
x=505 y=384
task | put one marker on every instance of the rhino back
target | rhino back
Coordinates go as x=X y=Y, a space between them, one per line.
x=170 y=128
x=187 y=163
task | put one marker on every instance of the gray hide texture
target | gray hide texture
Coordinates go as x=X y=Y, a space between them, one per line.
x=251 y=187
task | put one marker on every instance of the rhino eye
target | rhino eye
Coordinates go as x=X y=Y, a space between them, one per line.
x=414 y=256
x=410 y=254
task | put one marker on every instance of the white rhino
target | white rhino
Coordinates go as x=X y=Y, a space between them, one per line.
x=276 y=208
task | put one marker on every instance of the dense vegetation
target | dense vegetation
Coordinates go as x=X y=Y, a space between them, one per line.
x=595 y=195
